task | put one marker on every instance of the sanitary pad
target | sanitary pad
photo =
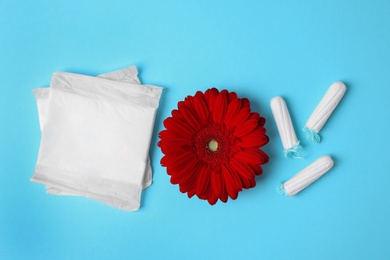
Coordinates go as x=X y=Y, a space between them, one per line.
x=96 y=134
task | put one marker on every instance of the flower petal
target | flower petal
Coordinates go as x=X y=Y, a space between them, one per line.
x=264 y=156
x=181 y=162
x=220 y=106
x=230 y=183
x=256 y=168
x=176 y=113
x=242 y=169
x=216 y=182
x=178 y=127
x=201 y=107
x=187 y=178
x=232 y=111
x=252 y=155
x=246 y=127
x=241 y=117
x=232 y=96
x=246 y=183
x=254 y=139
x=191 y=175
x=236 y=177
x=188 y=101
x=167 y=135
x=191 y=193
x=173 y=148
x=245 y=102
x=203 y=181
x=224 y=195
x=190 y=117
x=261 y=121
x=210 y=96
x=212 y=198
x=164 y=161
x=254 y=115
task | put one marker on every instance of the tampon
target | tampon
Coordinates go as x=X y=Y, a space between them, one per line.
x=307 y=176
x=285 y=128
x=323 y=110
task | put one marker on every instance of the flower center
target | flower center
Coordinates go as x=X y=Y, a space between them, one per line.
x=213 y=145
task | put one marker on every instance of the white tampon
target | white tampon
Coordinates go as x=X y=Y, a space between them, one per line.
x=307 y=176
x=285 y=128
x=323 y=110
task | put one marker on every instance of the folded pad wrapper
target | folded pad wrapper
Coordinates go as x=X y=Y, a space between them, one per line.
x=96 y=138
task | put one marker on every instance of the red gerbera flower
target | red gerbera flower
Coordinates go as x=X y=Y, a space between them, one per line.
x=212 y=145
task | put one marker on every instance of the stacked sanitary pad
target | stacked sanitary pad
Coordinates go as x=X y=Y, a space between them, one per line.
x=96 y=134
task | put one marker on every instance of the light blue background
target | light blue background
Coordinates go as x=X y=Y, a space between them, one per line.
x=259 y=49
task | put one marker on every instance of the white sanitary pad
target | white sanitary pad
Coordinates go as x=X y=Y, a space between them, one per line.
x=96 y=135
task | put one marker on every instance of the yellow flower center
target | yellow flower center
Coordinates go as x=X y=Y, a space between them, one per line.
x=213 y=145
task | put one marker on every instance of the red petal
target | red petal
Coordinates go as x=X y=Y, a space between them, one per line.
x=261 y=121
x=230 y=182
x=186 y=188
x=235 y=176
x=190 y=117
x=256 y=168
x=216 y=182
x=224 y=196
x=173 y=148
x=188 y=101
x=201 y=107
x=253 y=139
x=232 y=96
x=191 y=175
x=164 y=161
x=241 y=117
x=252 y=183
x=242 y=169
x=212 y=198
x=166 y=135
x=260 y=130
x=183 y=161
x=178 y=127
x=232 y=111
x=252 y=155
x=188 y=178
x=254 y=115
x=203 y=181
x=246 y=127
x=191 y=193
x=220 y=106
x=210 y=96
x=246 y=183
x=264 y=156
x=176 y=113
x=245 y=102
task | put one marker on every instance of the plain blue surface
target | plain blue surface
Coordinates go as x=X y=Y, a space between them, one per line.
x=259 y=49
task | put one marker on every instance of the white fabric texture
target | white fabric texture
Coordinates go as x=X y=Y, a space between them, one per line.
x=96 y=135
